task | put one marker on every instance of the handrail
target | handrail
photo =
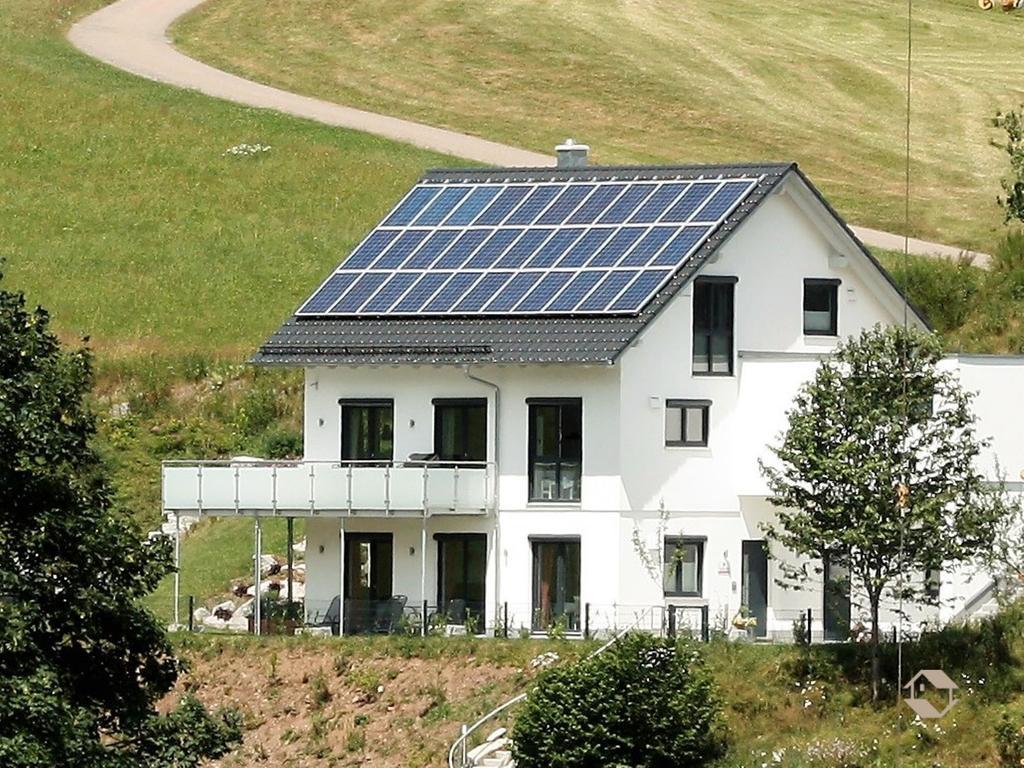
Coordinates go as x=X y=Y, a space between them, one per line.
x=395 y=463
x=522 y=696
x=980 y=597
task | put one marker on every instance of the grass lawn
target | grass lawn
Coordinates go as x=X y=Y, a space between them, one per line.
x=121 y=213
x=669 y=81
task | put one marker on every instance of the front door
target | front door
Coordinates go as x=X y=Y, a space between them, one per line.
x=368 y=576
x=755 y=584
x=837 y=600
x=461 y=577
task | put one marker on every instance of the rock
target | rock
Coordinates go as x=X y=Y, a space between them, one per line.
x=224 y=611
x=299 y=546
x=496 y=734
x=246 y=609
x=268 y=565
x=199 y=614
x=478 y=753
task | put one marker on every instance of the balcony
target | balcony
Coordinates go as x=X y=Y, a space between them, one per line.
x=298 y=488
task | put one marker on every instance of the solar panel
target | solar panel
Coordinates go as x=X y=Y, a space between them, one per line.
x=490 y=247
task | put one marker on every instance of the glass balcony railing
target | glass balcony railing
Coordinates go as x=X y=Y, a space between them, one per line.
x=328 y=488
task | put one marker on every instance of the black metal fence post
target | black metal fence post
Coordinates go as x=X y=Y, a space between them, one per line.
x=705 y=623
x=423 y=620
x=586 y=621
x=191 y=612
x=506 y=620
x=810 y=618
x=672 y=621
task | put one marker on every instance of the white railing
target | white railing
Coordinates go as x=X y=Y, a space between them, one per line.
x=328 y=488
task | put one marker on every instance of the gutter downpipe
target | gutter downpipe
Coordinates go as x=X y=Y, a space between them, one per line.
x=497 y=464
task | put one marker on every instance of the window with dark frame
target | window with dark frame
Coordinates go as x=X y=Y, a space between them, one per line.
x=683 y=573
x=687 y=422
x=367 y=430
x=933 y=581
x=556 y=583
x=821 y=307
x=713 y=326
x=460 y=430
x=555 y=449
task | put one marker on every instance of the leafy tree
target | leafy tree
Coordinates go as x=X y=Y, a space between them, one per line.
x=82 y=663
x=877 y=471
x=645 y=703
x=1012 y=123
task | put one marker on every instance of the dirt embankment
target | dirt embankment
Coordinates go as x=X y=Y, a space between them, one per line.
x=347 y=703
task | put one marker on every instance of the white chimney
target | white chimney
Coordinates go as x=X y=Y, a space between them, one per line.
x=572 y=155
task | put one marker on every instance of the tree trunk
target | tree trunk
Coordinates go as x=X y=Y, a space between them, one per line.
x=876 y=662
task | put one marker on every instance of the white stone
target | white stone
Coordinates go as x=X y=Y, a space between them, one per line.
x=199 y=614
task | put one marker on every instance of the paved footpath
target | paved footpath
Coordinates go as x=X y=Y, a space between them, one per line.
x=132 y=35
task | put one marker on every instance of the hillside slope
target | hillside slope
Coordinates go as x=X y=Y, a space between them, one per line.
x=400 y=701
x=665 y=81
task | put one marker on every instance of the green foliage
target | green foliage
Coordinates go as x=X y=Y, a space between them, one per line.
x=876 y=469
x=645 y=702
x=943 y=289
x=319 y=693
x=1012 y=124
x=1010 y=740
x=82 y=662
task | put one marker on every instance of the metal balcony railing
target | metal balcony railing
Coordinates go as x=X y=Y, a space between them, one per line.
x=328 y=488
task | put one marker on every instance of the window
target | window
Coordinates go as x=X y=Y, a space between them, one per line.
x=461 y=577
x=821 y=307
x=933 y=582
x=556 y=583
x=712 y=325
x=367 y=430
x=683 y=574
x=687 y=422
x=460 y=430
x=556 y=449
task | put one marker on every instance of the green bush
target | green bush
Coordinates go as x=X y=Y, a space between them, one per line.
x=943 y=289
x=1010 y=740
x=281 y=443
x=646 y=702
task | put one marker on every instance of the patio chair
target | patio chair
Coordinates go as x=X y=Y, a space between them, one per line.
x=331 y=617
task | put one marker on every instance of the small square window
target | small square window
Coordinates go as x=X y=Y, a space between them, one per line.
x=683 y=571
x=821 y=307
x=686 y=422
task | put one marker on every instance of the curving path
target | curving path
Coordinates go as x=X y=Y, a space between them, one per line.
x=132 y=35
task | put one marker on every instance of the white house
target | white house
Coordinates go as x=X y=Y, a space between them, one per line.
x=538 y=397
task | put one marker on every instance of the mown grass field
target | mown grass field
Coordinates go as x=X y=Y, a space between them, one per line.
x=121 y=213
x=669 y=81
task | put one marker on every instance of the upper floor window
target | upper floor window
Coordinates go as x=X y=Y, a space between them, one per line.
x=460 y=429
x=713 y=325
x=821 y=307
x=555 y=449
x=683 y=574
x=687 y=422
x=367 y=430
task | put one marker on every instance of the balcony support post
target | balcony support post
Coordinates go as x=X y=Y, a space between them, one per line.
x=177 y=566
x=423 y=572
x=341 y=575
x=257 y=572
x=291 y=564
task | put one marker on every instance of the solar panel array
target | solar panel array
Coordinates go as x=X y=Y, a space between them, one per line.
x=528 y=248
